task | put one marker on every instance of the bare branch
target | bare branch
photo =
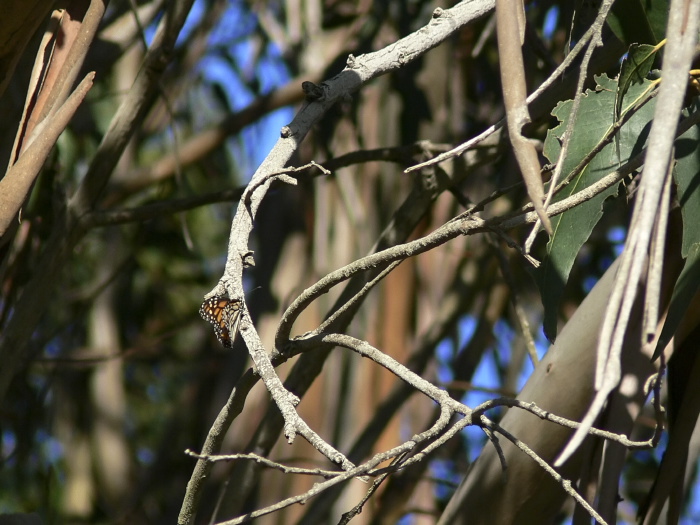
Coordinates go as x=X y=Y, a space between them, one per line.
x=366 y=350
x=365 y=468
x=214 y=458
x=545 y=415
x=464 y=224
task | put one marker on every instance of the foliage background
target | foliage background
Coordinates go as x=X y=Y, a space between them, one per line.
x=120 y=375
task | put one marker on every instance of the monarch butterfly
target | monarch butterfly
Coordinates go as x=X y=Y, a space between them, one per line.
x=225 y=315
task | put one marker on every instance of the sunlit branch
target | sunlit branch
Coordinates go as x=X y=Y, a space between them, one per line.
x=214 y=458
x=565 y=483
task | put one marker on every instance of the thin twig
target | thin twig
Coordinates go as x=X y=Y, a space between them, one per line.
x=466 y=225
x=361 y=470
x=580 y=45
x=357 y=509
x=214 y=458
x=519 y=312
x=659 y=411
x=363 y=348
x=565 y=483
x=546 y=415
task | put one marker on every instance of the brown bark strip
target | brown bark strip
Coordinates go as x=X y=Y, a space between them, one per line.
x=515 y=99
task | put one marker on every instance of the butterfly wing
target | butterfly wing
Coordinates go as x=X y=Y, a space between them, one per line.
x=224 y=314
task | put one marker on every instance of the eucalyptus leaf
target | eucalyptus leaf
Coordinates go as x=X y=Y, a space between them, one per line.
x=573 y=228
x=634 y=69
x=685 y=289
x=637 y=21
x=686 y=175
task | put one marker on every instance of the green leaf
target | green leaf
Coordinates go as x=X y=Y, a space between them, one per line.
x=685 y=289
x=634 y=69
x=572 y=229
x=639 y=21
x=687 y=177
x=686 y=174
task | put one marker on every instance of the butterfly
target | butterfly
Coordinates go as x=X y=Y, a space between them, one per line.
x=225 y=315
